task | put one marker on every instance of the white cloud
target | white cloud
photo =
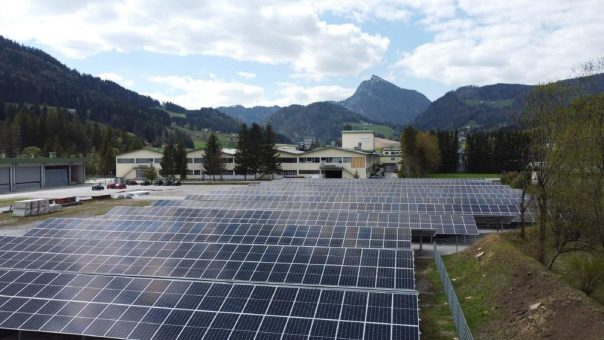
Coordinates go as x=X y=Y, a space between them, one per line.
x=212 y=92
x=116 y=78
x=290 y=93
x=196 y=93
x=267 y=31
x=246 y=75
x=508 y=41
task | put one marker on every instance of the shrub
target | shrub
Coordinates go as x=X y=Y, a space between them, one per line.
x=588 y=271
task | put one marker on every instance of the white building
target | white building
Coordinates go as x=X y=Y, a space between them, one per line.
x=324 y=162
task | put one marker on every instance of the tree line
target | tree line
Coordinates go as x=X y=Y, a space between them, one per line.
x=256 y=154
x=496 y=151
x=564 y=169
x=256 y=151
x=31 y=130
x=426 y=152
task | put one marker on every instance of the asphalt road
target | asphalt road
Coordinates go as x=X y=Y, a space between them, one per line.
x=85 y=190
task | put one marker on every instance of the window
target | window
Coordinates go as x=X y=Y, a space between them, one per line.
x=310 y=160
x=125 y=160
x=190 y=172
x=196 y=172
x=346 y=160
x=310 y=172
x=197 y=160
x=144 y=160
x=189 y=160
x=287 y=160
x=157 y=160
x=288 y=172
x=229 y=160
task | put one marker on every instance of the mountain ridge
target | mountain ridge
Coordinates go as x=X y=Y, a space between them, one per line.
x=382 y=101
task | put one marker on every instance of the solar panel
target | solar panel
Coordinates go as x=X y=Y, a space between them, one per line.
x=440 y=223
x=256 y=231
x=351 y=267
x=282 y=260
x=144 y=308
x=461 y=209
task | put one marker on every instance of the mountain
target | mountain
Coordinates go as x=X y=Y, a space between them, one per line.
x=258 y=114
x=381 y=101
x=486 y=106
x=491 y=106
x=322 y=120
x=204 y=118
x=29 y=75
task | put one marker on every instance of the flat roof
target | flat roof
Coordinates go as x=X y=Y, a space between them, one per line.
x=357 y=131
x=42 y=160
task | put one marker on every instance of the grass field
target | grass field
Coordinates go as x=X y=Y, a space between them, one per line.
x=87 y=208
x=380 y=130
x=435 y=315
x=463 y=175
x=11 y=201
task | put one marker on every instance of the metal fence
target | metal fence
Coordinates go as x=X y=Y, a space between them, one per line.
x=463 y=331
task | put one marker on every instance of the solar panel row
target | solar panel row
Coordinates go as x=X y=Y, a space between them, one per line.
x=143 y=308
x=284 y=266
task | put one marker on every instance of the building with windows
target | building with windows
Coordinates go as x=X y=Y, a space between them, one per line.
x=324 y=162
x=30 y=173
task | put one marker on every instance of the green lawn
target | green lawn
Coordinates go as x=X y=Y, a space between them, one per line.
x=381 y=130
x=463 y=175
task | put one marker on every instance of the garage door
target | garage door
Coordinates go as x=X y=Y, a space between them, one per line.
x=27 y=177
x=4 y=179
x=56 y=176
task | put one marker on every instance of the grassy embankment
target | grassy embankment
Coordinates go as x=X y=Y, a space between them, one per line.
x=507 y=294
x=463 y=175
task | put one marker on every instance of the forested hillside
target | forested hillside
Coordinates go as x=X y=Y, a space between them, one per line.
x=30 y=76
x=491 y=106
x=257 y=114
x=323 y=120
x=204 y=118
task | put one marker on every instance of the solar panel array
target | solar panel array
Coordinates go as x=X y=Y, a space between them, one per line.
x=295 y=259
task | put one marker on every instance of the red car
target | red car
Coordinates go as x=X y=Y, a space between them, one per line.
x=116 y=186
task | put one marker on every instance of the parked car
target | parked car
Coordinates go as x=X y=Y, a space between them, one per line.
x=116 y=186
x=176 y=183
x=98 y=186
x=159 y=182
x=131 y=182
x=146 y=183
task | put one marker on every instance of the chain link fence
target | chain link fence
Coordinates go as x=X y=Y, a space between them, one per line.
x=463 y=331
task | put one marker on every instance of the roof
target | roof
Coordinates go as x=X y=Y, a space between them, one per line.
x=357 y=131
x=42 y=160
x=341 y=149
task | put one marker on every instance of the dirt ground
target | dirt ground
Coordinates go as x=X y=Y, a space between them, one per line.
x=535 y=303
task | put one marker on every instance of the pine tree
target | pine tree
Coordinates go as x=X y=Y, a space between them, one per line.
x=212 y=160
x=181 y=161
x=242 y=155
x=167 y=163
x=268 y=153
x=409 y=151
x=255 y=144
x=107 y=157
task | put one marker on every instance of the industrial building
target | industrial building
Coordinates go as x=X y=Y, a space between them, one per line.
x=18 y=174
x=357 y=158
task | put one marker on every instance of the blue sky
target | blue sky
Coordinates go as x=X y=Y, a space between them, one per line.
x=265 y=52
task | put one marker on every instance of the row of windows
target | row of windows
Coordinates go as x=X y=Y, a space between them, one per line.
x=158 y=160
x=288 y=172
x=310 y=172
x=138 y=160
